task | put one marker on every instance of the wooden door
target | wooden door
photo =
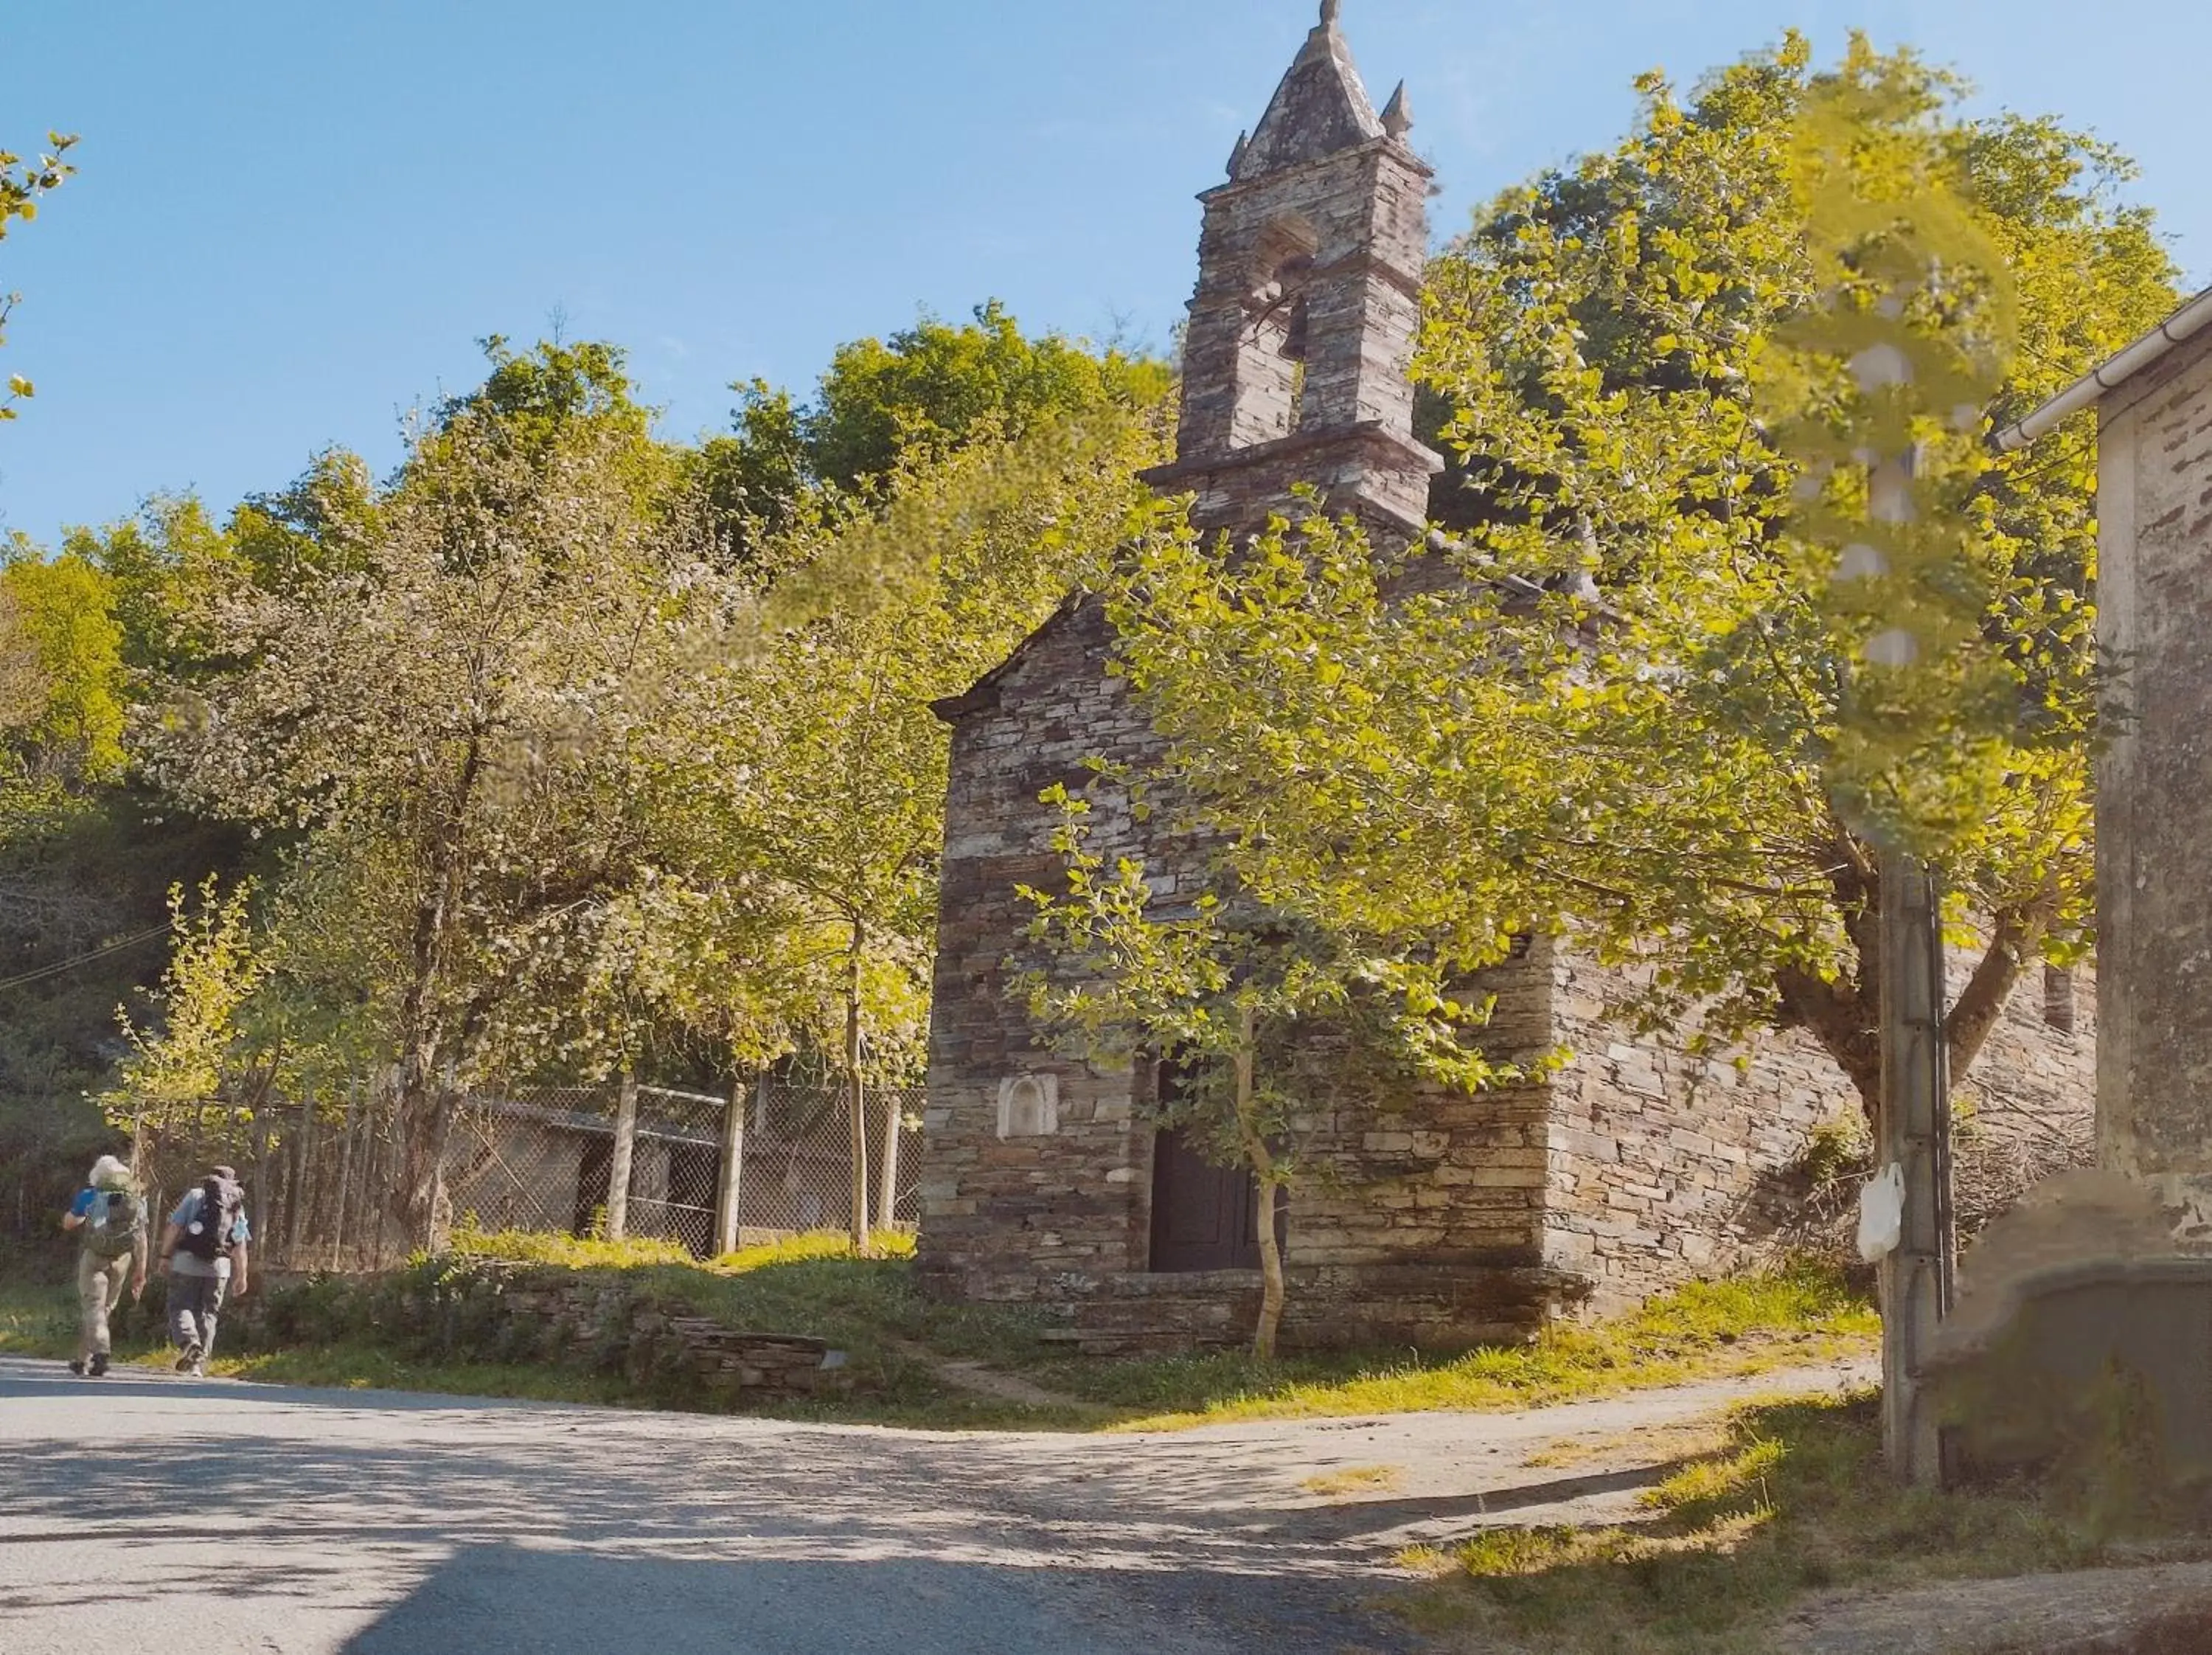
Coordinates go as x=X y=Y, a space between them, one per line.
x=1203 y=1215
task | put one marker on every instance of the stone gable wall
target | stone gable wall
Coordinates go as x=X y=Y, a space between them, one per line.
x=1665 y=1166
x=1404 y=1178
x=998 y=1214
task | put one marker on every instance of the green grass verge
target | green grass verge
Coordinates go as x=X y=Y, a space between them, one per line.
x=1785 y=1499
x=1706 y=1330
x=897 y=1341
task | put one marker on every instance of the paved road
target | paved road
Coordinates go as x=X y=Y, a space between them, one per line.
x=147 y=1512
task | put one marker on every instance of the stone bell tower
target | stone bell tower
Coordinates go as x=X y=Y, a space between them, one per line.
x=1046 y=1179
x=1301 y=334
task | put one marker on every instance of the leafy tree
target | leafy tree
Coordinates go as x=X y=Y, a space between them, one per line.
x=1625 y=710
x=180 y=1066
x=22 y=184
x=811 y=754
x=1233 y=992
x=447 y=715
x=25 y=682
x=930 y=388
x=63 y=622
x=936 y=385
x=750 y=483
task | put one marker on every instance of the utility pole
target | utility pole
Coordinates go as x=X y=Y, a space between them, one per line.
x=1915 y=1276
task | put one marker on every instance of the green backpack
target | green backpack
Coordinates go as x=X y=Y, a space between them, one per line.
x=115 y=1224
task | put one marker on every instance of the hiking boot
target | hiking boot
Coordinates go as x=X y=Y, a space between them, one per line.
x=199 y=1369
x=98 y=1369
x=76 y=1365
x=188 y=1360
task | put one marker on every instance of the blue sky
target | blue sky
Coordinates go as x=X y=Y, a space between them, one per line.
x=294 y=220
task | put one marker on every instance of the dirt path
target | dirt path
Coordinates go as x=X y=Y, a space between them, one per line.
x=1378 y=1484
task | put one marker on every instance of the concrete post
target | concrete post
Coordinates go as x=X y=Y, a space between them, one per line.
x=733 y=1167
x=1915 y=1135
x=618 y=1163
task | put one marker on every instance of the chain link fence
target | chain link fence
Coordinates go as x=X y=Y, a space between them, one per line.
x=543 y=1159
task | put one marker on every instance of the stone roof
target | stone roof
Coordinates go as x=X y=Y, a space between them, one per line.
x=1321 y=108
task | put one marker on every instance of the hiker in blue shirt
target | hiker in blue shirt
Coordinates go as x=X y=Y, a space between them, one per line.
x=204 y=1248
x=109 y=1219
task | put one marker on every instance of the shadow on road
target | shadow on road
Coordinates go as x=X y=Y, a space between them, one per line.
x=516 y=1600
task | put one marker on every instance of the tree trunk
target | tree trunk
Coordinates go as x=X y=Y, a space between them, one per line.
x=618 y=1164
x=425 y=1110
x=423 y=1100
x=857 y=1094
x=345 y=1172
x=262 y=1192
x=2015 y=937
x=296 y=1229
x=1263 y=1169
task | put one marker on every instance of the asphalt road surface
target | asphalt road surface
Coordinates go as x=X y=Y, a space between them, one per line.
x=145 y=1513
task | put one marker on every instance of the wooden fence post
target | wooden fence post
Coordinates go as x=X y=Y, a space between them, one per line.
x=618 y=1163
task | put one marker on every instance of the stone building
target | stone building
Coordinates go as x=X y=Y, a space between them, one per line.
x=2153 y=403
x=1444 y=1219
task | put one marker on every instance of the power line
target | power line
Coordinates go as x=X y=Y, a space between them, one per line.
x=59 y=967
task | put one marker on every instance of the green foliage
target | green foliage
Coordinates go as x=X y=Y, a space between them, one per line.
x=934 y=386
x=1781 y=1500
x=22 y=184
x=60 y=618
x=1836 y=1150
x=538 y=395
x=802 y=770
x=884 y=406
x=1629 y=701
x=183 y=1067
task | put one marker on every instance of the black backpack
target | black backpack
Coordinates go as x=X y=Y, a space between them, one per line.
x=207 y=1235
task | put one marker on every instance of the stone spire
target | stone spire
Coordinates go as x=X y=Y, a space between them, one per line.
x=1321 y=108
x=1398 y=114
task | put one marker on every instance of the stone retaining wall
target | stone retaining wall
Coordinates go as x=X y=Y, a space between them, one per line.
x=491 y=1310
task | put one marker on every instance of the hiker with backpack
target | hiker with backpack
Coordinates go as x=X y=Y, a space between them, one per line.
x=109 y=1217
x=204 y=1248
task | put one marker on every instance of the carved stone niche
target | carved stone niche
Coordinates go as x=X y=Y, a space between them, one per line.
x=1028 y=1105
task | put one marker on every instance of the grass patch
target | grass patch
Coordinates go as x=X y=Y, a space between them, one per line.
x=38 y=1320
x=1683 y=1440
x=349 y=1333
x=370 y=1367
x=1792 y=1499
x=1355 y=1480
x=1706 y=1330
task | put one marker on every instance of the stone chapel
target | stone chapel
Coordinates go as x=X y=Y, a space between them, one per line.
x=1446 y=1219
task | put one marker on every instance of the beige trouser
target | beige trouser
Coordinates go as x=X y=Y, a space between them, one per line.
x=98 y=1290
